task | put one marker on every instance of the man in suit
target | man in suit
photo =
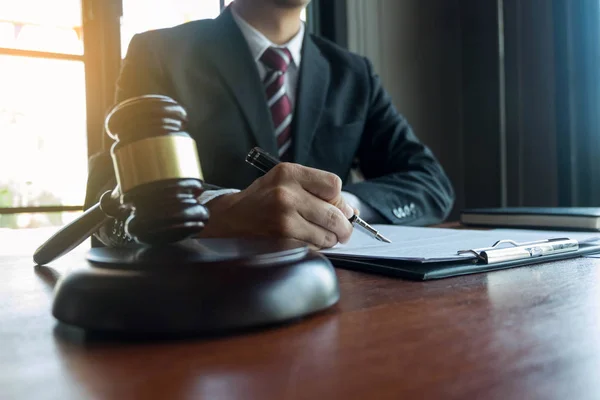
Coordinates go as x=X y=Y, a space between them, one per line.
x=255 y=77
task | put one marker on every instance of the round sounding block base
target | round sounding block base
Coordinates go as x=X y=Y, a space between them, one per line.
x=204 y=286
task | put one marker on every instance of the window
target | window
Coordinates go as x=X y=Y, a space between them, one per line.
x=144 y=15
x=43 y=147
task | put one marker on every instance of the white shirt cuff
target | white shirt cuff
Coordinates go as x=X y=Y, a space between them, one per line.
x=365 y=211
x=213 y=194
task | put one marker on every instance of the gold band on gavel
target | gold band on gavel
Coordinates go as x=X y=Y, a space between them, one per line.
x=156 y=159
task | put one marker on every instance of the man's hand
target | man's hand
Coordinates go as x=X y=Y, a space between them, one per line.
x=291 y=201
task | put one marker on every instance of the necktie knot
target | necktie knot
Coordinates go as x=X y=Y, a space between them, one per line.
x=277 y=59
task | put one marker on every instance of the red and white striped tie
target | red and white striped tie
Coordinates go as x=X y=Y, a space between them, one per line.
x=277 y=61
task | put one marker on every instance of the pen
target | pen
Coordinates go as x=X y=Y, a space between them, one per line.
x=264 y=162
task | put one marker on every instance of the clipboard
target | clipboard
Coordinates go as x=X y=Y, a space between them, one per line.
x=502 y=254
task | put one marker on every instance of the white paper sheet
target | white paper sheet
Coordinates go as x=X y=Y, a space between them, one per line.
x=427 y=245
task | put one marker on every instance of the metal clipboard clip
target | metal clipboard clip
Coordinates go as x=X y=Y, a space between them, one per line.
x=522 y=251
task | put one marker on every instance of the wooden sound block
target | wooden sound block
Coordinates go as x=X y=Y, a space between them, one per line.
x=196 y=286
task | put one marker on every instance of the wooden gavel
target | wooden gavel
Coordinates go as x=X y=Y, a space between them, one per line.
x=159 y=179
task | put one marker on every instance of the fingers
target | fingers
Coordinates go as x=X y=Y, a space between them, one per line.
x=314 y=235
x=323 y=184
x=300 y=215
x=326 y=216
x=342 y=205
x=287 y=222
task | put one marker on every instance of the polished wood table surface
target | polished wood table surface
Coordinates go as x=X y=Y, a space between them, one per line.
x=525 y=333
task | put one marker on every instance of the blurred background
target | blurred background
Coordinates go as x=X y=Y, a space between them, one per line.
x=505 y=92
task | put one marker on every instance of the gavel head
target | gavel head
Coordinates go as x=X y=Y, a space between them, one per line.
x=157 y=168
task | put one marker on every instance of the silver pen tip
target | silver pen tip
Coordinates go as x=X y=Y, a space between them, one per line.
x=382 y=238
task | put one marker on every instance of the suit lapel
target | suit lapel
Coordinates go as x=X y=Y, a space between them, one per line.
x=235 y=63
x=313 y=84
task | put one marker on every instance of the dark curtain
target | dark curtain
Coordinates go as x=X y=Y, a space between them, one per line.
x=577 y=65
x=328 y=19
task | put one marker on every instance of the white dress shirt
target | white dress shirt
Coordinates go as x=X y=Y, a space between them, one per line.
x=258 y=43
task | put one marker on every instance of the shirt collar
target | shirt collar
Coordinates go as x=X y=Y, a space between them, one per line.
x=258 y=42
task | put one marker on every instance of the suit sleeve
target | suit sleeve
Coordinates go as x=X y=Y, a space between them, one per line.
x=404 y=182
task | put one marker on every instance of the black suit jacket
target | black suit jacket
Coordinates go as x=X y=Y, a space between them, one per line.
x=342 y=115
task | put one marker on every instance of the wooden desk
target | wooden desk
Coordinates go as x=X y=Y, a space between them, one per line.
x=527 y=333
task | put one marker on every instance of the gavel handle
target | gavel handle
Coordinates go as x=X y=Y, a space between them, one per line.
x=73 y=234
x=70 y=236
